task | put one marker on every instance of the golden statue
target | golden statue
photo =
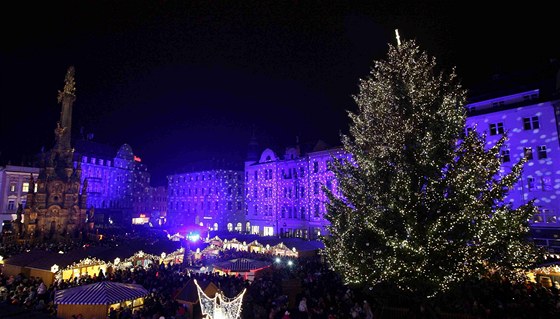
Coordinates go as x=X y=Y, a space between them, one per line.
x=69 y=85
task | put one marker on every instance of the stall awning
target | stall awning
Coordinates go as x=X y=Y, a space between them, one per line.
x=241 y=265
x=100 y=293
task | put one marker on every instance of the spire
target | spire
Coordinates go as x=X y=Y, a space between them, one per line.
x=253 y=148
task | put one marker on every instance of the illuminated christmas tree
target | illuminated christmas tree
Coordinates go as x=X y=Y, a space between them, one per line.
x=420 y=205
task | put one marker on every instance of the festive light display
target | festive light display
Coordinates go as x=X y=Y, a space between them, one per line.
x=422 y=202
x=528 y=120
x=284 y=195
x=220 y=306
x=213 y=199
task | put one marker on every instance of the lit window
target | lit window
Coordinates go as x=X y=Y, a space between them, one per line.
x=25 y=187
x=496 y=128
x=528 y=152
x=531 y=123
x=505 y=156
x=541 y=151
x=12 y=187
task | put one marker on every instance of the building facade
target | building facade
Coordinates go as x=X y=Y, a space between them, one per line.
x=212 y=199
x=14 y=186
x=118 y=181
x=531 y=124
x=284 y=194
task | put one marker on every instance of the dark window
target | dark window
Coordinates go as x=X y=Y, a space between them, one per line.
x=542 y=151
x=505 y=156
x=496 y=128
x=530 y=183
x=531 y=123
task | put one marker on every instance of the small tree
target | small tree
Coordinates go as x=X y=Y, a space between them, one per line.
x=421 y=204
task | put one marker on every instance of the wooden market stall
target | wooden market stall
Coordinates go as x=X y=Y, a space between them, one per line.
x=188 y=296
x=547 y=275
x=248 y=269
x=282 y=250
x=256 y=247
x=96 y=300
x=85 y=267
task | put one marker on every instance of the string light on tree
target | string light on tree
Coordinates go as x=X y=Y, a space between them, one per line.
x=422 y=202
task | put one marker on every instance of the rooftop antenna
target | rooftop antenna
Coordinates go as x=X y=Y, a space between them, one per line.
x=398 y=37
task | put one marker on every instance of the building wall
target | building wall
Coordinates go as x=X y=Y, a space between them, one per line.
x=532 y=128
x=14 y=186
x=120 y=183
x=285 y=194
x=212 y=199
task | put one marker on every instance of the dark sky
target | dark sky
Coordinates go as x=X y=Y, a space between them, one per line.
x=186 y=81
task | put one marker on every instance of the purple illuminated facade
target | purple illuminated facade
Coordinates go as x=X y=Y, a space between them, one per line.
x=284 y=194
x=118 y=183
x=531 y=123
x=212 y=199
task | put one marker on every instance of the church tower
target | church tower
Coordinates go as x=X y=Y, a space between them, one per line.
x=56 y=209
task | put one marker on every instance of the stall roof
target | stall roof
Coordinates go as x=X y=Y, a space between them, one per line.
x=100 y=293
x=189 y=293
x=241 y=264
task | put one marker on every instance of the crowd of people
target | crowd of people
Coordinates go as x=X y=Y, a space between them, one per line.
x=304 y=288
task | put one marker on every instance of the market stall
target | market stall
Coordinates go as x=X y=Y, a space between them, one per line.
x=96 y=300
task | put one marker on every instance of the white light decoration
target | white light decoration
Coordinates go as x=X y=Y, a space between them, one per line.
x=220 y=307
x=117 y=261
x=54 y=268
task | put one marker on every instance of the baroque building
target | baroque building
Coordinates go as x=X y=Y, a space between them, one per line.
x=14 y=187
x=529 y=119
x=284 y=194
x=57 y=209
x=212 y=199
x=117 y=181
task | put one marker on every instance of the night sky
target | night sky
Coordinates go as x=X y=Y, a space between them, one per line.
x=188 y=81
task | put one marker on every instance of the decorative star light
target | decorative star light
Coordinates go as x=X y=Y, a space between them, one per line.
x=220 y=306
